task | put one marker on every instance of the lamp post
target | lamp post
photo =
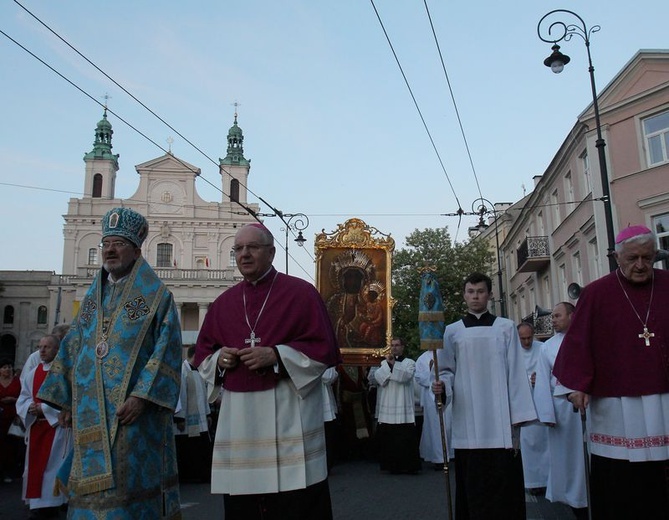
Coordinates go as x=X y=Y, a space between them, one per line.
x=556 y=61
x=295 y=222
x=482 y=209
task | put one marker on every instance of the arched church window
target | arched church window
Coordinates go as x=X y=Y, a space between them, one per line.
x=93 y=256
x=234 y=190
x=41 y=315
x=97 y=185
x=8 y=315
x=164 y=258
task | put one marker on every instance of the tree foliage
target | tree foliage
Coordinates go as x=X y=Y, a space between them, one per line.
x=453 y=263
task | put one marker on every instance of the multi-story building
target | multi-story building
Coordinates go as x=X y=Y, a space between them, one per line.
x=560 y=236
x=189 y=243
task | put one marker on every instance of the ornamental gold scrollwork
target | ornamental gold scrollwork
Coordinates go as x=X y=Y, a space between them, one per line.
x=353 y=275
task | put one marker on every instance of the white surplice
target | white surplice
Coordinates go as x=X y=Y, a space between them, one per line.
x=490 y=388
x=396 y=398
x=193 y=407
x=60 y=448
x=534 y=437
x=431 y=449
x=566 y=476
x=328 y=379
x=284 y=449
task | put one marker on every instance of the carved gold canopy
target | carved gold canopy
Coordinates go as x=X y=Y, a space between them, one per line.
x=354 y=233
x=353 y=275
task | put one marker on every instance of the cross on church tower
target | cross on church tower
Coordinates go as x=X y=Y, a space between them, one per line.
x=236 y=104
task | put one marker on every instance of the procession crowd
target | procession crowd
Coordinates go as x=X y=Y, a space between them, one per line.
x=107 y=417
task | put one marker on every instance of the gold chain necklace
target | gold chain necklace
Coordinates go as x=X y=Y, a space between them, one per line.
x=252 y=339
x=646 y=334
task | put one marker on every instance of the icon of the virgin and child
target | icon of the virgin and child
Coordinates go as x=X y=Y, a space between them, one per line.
x=357 y=308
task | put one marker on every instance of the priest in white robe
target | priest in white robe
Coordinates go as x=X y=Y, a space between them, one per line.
x=492 y=398
x=566 y=477
x=330 y=412
x=48 y=443
x=431 y=448
x=396 y=434
x=533 y=437
x=191 y=424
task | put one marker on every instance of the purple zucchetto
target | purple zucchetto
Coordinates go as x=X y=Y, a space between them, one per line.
x=631 y=232
x=126 y=223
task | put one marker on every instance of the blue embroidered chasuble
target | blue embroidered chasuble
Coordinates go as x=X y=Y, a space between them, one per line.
x=121 y=471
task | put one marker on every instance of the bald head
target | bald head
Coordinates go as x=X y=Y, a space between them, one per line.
x=254 y=251
x=48 y=348
x=561 y=316
x=526 y=333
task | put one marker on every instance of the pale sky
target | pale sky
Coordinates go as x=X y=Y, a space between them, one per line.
x=329 y=124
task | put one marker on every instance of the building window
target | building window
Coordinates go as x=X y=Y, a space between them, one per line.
x=97 y=185
x=569 y=189
x=164 y=257
x=234 y=190
x=540 y=224
x=41 y=315
x=585 y=165
x=594 y=260
x=555 y=205
x=562 y=281
x=578 y=275
x=661 y=228
x=656 y=137
x=547 y=291
x=93 y=256
x=233 y=259
x=533 y=299
x=8 y=315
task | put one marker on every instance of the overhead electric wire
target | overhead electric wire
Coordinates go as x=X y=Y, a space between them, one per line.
x=413 y=97
x=248 y=210
x=134 y=98
x=117 y=115
x=343 y=215
x=455 y=105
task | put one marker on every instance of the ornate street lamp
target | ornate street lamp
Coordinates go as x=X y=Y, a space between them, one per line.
x=294 y=222
x=482 y=207
x=556 y=61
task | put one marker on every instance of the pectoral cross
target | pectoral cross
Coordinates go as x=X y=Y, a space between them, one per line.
x=646 y=336
x=252 y=340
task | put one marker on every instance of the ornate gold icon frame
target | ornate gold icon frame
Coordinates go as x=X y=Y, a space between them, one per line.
x=353 y=275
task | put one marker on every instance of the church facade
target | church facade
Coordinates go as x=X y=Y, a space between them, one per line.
x=189 y=243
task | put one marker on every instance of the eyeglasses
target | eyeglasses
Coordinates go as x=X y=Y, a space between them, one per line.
x=252 y=248
x=116 y=244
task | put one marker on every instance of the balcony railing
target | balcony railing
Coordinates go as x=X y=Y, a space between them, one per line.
x=176 y=274
x=196 y=274
x=533 y=255
x=543 y=325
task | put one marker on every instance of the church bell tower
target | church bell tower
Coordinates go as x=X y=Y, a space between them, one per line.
x=101 y=163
